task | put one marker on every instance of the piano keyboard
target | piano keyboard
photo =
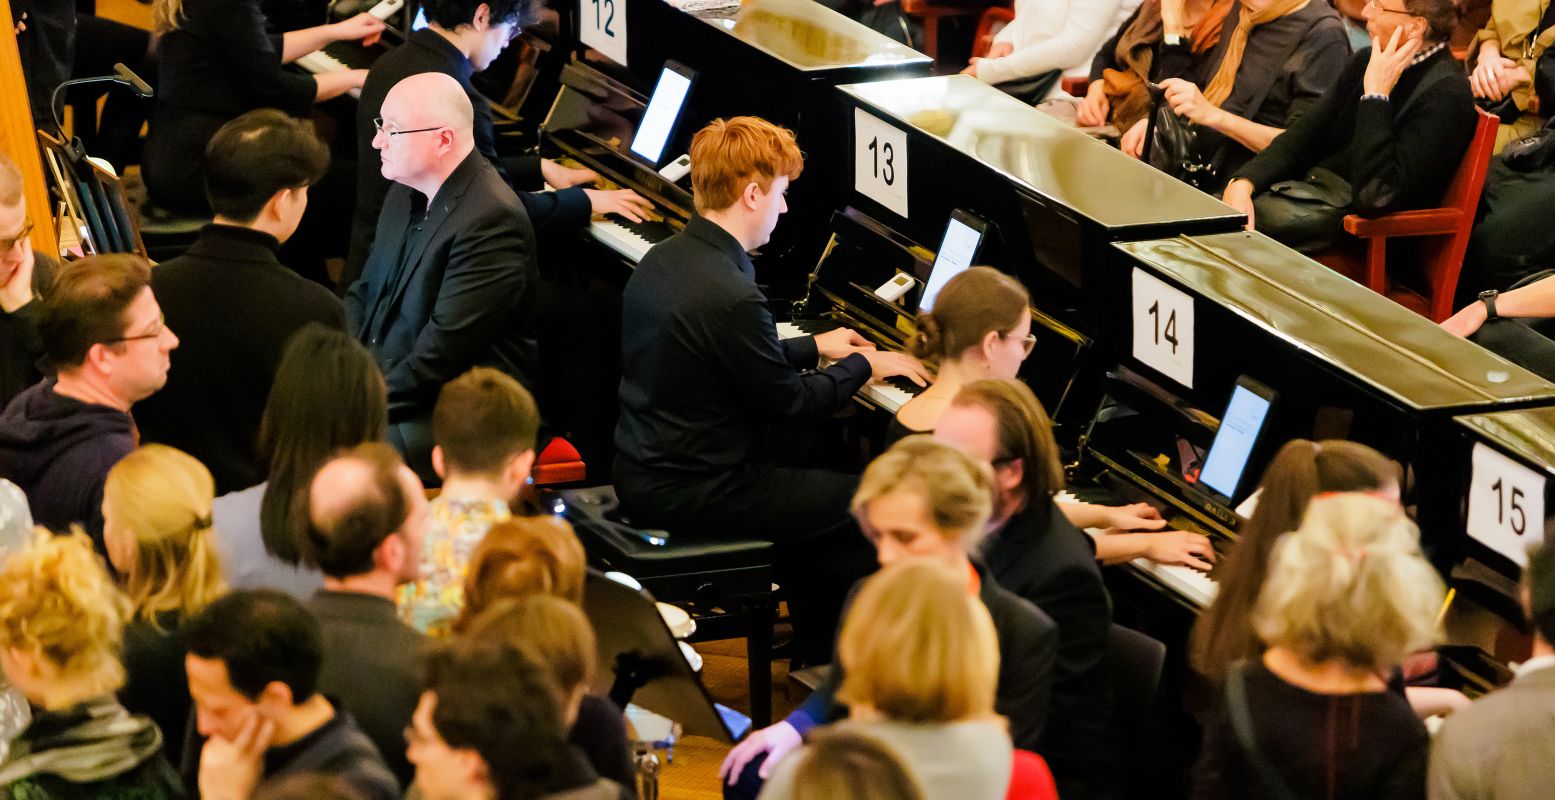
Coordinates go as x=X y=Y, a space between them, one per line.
x=1192 y=584
x=319 y=62
x=889 y=394
x=630 y=239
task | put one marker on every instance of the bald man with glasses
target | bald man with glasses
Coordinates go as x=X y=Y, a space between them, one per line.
x=450 y=281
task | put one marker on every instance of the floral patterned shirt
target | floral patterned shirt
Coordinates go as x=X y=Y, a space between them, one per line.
x=455 y=526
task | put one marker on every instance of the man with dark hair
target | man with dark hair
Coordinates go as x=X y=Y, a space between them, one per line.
x=367 y=515
x=1502 y=747
x=490 y=725
x=103 y=333
x=24 y=277
x=463 y=37
x=1388 y=137
x=233 y=299
x=253 y=663
x=484 y=425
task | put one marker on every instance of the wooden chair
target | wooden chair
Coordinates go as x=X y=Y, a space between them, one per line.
x=1445 y=230
x=930 y=12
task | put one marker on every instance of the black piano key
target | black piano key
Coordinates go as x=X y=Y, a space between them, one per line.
x=814 y=326
x=353 y=54
x=654 y=232
x=905 y=384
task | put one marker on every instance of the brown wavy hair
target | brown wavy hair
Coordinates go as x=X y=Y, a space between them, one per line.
x=972 y=305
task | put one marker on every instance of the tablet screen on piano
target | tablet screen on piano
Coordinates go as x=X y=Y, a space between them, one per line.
x=663 y=113
x=1233 y=446
x=962 y=237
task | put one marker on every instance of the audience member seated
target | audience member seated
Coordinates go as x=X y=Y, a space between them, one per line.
x=1348 y=596
x=1388 y=137
x=327 y=396
x=554 y=633
x=922 y=661
x=1046 y=39
x=1034 y=551
x=216 y=62
x=490 y=724
x=24 y=278
x=367 y=516
x=716 y=411
x=236 y=304
x=463 y=37
x=60 y=622
x=16 y=532
x=157 y=525
x=981 y=328
x=307 y=786
x=1275 y=59
x=849 y=765
x=1506 y=323
x=1163 y=39
x=450 y=284
x=103 y=334
x=1504 y=59
x=253 y=664
x=1501 y=746
x=925 y=498
x=484 y=425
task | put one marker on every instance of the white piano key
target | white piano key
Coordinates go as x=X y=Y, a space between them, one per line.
x=618 y=238
x=1186 y=581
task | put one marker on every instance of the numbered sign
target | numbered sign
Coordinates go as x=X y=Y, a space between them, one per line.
x=1506 y=505
x=880 y=162
x=602 y=26
x=1163 y=327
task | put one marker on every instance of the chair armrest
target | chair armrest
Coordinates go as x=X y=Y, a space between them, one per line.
x=1424 y=222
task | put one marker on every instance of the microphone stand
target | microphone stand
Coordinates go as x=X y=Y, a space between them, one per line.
x=123 y=76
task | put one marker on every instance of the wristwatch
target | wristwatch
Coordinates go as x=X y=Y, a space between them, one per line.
x=1488 y=297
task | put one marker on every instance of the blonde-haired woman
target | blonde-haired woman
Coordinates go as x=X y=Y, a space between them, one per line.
x=1347 y=597
x=926 y=499
x=922 y=664
x=158 y=532
x=60 y=619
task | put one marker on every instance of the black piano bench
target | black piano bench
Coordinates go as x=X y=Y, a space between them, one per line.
x=727 y=584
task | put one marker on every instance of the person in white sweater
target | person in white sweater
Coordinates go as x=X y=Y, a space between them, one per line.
x=1048 y=35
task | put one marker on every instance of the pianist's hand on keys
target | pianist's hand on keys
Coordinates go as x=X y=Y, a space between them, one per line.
x=839 y=343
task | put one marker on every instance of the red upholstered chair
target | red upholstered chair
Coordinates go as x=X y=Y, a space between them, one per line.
x=930 y=12
x=1076 y=85
x=1030 y=779
x=558 y=463
x=988 y=26
x=1445 y=231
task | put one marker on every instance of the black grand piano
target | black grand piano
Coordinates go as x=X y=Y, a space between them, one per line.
x=776 y=59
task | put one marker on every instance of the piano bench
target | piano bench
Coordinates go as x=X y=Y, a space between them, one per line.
x=167 y=234
x=558 y=463
x=727 y=583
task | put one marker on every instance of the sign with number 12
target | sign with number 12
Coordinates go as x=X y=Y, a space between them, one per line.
x=602 y=26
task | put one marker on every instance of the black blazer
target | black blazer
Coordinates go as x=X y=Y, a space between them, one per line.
x=1041 y=557
x=1028 y=644
x=460 y=294
x=427 y=51
x=216 y=65
x=21 y=351
x=234 y=307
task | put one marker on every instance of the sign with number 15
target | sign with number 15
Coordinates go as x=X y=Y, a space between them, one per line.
x=1506 y=505
x=602 y=26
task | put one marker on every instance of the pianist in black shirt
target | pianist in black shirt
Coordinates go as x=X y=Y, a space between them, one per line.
x=463 y=37
x=712 y=403
x=450 y=283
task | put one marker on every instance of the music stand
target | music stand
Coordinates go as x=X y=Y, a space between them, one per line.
x=641 y=662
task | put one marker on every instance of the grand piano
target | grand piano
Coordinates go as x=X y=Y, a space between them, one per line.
x=776 y=59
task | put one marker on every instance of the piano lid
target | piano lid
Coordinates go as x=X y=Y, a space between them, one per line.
x=813 y=38
x=1527 y=433
x=1058 y=161
x=1375 y=341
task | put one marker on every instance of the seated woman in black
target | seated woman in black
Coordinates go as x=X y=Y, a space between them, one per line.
x=922 y=498
x=217 y=62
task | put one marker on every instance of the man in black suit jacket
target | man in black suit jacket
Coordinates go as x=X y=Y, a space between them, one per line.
x=450 y=283
x=463 y=37
x=234 y=302
x=367 y=517
x=1036 y=553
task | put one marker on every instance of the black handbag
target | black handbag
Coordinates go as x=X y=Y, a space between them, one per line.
x=1172 y=145
x=1504 y=109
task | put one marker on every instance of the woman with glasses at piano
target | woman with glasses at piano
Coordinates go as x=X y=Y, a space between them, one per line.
x=1300 y=471
x=1349 y=595
x=980 y=327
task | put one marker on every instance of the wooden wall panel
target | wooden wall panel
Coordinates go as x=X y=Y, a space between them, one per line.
x=18 y=138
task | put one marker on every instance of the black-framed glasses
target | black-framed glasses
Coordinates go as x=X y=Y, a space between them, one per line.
x=378 y=124
x=1377 y=4
x=161 y=328
x=6 y=245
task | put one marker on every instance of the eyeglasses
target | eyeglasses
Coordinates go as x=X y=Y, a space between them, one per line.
x=1027 y=344
x=6 y=245
x=1375 y=4
x=378 y=124
x=160 y=329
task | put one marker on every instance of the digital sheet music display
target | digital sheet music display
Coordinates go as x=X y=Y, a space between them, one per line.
x=663 y=109
x=955 y=255
x=1234 y=441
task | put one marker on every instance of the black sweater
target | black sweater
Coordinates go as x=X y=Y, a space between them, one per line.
x=1397 y=154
